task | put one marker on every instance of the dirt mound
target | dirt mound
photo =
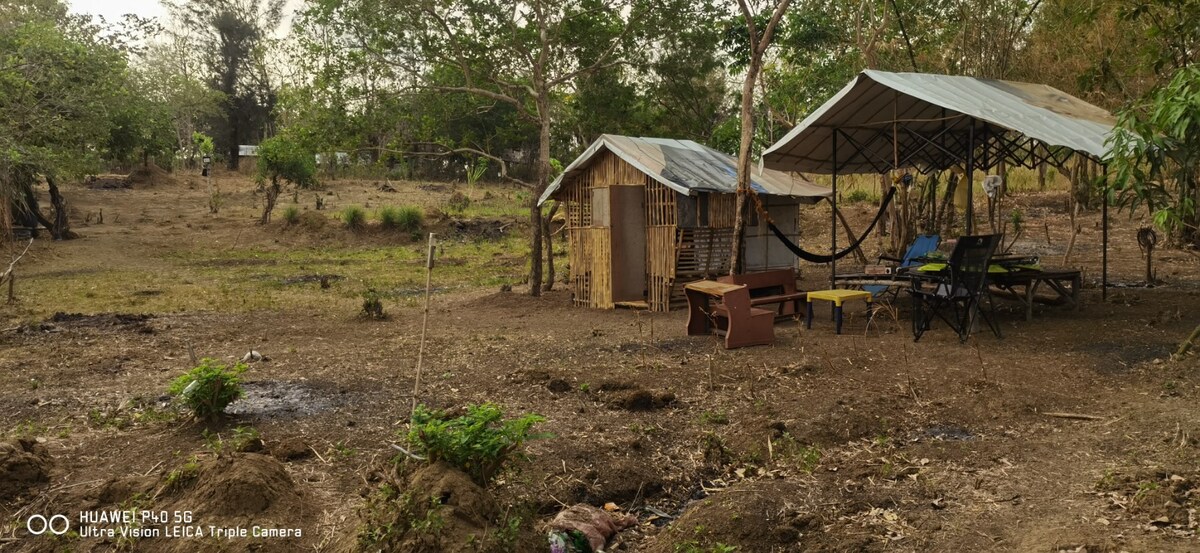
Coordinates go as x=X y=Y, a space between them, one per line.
x=1161 y=497
x=749 y=516
x=108 y=182
x=235 y=486
x=438 y=508
x=630 y=397
x=23 y=465
x=150 y=175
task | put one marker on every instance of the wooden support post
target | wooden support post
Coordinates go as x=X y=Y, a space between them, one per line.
x=424 y=322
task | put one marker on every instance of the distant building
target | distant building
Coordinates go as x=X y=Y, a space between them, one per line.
x=247 y=158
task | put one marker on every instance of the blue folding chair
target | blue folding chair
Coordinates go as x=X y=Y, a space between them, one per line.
x=921 y=246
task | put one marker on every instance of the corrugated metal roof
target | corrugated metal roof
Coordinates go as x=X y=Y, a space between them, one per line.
x=929 y=103
x=688 y=168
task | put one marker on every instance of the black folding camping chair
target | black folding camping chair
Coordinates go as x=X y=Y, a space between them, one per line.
x=956 y=293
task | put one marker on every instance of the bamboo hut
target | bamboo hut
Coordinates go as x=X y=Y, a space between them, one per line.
x=646 y=215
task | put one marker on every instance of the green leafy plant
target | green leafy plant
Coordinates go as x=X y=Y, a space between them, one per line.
x=244 y=438
x=354 y=217
x=281 y=159
x=183 y=475
x=476 y=170
x=209 y=388
x=291 y=215
x=372 y=306
x=1155 y=156
x=203 y=143
x=479 y=442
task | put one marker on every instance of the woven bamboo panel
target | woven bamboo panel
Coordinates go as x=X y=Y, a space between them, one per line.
x=578 y=201
x=601 y=250
x=590 y=256
x=580 y=264
x=660 y=204
x=608 y=170
x=660 y=266
x=722 y=209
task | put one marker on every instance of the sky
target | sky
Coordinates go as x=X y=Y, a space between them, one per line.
x=113 y=10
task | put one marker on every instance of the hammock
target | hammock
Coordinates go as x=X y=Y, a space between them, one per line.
x=816 y=258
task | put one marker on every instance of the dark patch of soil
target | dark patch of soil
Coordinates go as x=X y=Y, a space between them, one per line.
x=489 y=229
x=23 y=465
x=305 y=279
x=123 y=321
x=272 y=398
x=1128 y=354
x=947 y=433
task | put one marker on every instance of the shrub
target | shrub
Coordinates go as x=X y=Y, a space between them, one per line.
x=858 y=195
x=291 y=215
x=389 y=217
x=458 y=202
x=209 y=388
x=479 y=443
x=372 y=307
x=281 y=159
x=354 y=217
x=410 y=218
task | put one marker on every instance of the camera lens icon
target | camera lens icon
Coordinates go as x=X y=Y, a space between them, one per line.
x=39 y=524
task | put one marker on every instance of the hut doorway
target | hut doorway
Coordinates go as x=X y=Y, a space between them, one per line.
x=622 y=208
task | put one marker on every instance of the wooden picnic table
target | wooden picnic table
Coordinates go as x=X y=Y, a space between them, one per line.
x=1023 y=284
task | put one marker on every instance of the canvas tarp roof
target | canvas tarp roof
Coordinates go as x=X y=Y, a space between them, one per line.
x=928 y=104
x=689 y=168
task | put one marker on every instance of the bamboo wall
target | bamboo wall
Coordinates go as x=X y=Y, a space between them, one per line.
x=590 y=246
x=661 y=244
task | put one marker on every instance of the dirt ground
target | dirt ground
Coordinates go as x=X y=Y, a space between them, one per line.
x=859 y=442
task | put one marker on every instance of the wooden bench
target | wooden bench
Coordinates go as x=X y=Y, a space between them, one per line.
x=776 y=287
x=740 y=324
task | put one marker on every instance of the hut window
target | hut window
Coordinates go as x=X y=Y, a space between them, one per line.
x=702 y=210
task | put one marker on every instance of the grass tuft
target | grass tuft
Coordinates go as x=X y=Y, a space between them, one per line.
x=354 y=217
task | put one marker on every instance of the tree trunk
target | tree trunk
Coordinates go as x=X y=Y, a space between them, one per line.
x=272 y=194
x=743 y=168
x=547 y=222
x=30 y=215
x=543 y=179
x=61 y=230
x=233 y=145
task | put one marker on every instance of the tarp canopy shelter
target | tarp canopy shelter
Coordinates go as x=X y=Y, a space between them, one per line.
x=885 y=121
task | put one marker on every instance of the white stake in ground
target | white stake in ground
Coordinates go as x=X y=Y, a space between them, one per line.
x=424 y=323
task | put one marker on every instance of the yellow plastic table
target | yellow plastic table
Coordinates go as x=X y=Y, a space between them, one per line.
x=837 y=297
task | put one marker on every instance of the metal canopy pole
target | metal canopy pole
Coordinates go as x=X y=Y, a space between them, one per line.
x=970 y=176
x=1104 y=231
x=833 y=217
